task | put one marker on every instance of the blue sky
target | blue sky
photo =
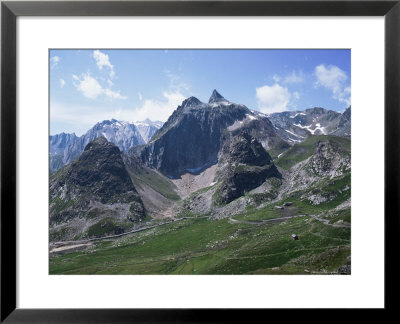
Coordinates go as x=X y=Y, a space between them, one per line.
x=88 y=86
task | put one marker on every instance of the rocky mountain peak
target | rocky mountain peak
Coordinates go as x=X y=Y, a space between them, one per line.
x=216 y=97
x=101 y=168
x=98 y=142
x=191 y=102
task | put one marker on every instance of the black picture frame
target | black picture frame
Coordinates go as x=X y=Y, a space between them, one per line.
x=10 y=10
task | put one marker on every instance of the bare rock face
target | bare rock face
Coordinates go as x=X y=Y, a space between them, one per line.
x=94 y=195
x=244 y=148
x=247 y=166
x=329 y=160
x=344 y=127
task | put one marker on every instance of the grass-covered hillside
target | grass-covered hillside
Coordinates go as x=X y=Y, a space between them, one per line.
x=202 y=246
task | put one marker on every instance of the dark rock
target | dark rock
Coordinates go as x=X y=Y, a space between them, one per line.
x=345 y=269
x=101 y=170
x=215 y=97
x=245 y=149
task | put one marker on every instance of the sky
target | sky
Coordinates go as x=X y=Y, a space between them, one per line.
x=89 y=86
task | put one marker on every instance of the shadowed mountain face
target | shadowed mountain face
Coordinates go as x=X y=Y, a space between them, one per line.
x=94 y=189
x=191 y=138
x=100 y=169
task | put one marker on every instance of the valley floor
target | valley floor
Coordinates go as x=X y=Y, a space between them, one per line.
x=257 y=242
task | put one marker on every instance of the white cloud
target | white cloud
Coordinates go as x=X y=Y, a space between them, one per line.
x=333 y=78
x=140 y=96
x=54 y=60
x=294 y=77
x=175 y=82
x=102 y=60
x=273 y=98
x=62 y=83
x=78 y=118
x=276 y=78
x=158 y=109
x=113 y=94
x=91 y=88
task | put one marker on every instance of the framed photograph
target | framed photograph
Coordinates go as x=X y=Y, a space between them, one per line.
x=208 y=149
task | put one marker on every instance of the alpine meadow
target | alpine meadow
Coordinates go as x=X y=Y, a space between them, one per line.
x=200 y=162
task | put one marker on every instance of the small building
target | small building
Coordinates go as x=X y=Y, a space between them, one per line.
x=295 y=237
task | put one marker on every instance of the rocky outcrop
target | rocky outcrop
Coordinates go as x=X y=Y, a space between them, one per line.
x=329 y=159
x=245 y=149
x=245 y=165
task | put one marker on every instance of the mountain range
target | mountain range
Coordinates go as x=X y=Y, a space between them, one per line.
x=295 y=126
x=65 y=148
x=214 y=159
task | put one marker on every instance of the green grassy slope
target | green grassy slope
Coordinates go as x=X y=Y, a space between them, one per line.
x=201 y=246
x=304 y=150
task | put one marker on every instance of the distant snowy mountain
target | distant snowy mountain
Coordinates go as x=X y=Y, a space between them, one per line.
x=57 y=145
x=296 y=126
x=148 y=128
x=122 y=134
x=59 y=142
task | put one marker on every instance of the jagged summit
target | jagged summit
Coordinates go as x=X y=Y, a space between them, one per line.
x=191 y=101
x=216 y=97
x=99 y=141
